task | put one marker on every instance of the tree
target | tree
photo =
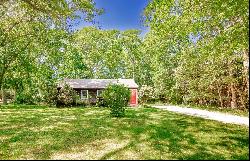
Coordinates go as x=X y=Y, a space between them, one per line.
x=26 y=23
x=200 y=40
x=105 y=53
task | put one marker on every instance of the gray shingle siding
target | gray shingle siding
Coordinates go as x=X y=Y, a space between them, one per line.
x=97 y=83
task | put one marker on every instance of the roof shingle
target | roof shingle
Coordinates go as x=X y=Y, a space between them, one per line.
x=97 y=83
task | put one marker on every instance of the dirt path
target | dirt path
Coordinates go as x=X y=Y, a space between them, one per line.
x=226 y=118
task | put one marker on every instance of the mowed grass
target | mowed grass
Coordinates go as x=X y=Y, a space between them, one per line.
x=90 y=133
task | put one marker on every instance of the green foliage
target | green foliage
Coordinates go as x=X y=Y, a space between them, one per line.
x=100 y=102
x=116 y=97
x=27 y=94
x=51 y=95
x=66 y=96
x=195 y=53
x=80 y=102
x=146 y=93
x=104 y=53
x=24 y=98
x=31 y=36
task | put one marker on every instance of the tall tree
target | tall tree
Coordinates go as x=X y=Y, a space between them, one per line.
x=211 y=38
x=26 y=22
x=105 y=53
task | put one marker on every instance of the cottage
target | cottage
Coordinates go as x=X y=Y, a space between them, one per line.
x=90 y=89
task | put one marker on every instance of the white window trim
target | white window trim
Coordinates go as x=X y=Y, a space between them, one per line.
x=87 y=94
x=97 y=92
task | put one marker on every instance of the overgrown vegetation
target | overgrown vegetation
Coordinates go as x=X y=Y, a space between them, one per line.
x=33 y=132
x=146 y=94
x=195 y=52
x=116 y=97
x=66 y=96
x=198 y=51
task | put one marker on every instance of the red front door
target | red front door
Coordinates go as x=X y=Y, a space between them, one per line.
x=133 y=97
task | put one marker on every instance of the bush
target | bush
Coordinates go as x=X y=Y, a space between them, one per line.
x=66 y=96
x=146 y=93
x=82 y=103
x=26 y=97
x=50 y=95
x=100 y=102
x=116 y=97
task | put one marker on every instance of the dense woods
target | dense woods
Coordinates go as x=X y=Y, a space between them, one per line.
x=196 y=52
x=200 y=51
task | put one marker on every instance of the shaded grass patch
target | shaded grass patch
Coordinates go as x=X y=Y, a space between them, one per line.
x=90 y=133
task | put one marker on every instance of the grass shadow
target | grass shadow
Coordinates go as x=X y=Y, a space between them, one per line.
x=150 y=133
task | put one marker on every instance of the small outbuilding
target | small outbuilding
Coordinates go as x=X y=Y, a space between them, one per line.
x=90 y=89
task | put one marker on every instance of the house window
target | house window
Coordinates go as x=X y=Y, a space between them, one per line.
x=84 y=94
x=99 y=92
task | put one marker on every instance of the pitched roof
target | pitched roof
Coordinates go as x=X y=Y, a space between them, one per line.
x=98 y=83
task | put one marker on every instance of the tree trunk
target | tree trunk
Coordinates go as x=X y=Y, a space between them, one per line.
x=220 y=97
x=3 y=96
x=232 y=85
x=246 y=69
x=14 y=98
x=2 y=84
x=233 y=96
x=242 y=97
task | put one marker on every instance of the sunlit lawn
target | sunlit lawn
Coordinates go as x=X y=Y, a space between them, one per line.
x=90 y=133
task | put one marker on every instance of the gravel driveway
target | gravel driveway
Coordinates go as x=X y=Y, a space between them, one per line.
x=226 y=118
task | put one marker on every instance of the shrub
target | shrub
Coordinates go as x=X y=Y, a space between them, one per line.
x=50 y=95
x=26 y=97
x=100 y=102
x=116 y=97
x=146 y=93
x=8 y=95
x=66 y=96
x=80 y=102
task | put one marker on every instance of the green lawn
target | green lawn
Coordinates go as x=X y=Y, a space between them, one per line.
x=30 y=132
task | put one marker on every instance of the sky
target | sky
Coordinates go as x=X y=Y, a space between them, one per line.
x=120 y=15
